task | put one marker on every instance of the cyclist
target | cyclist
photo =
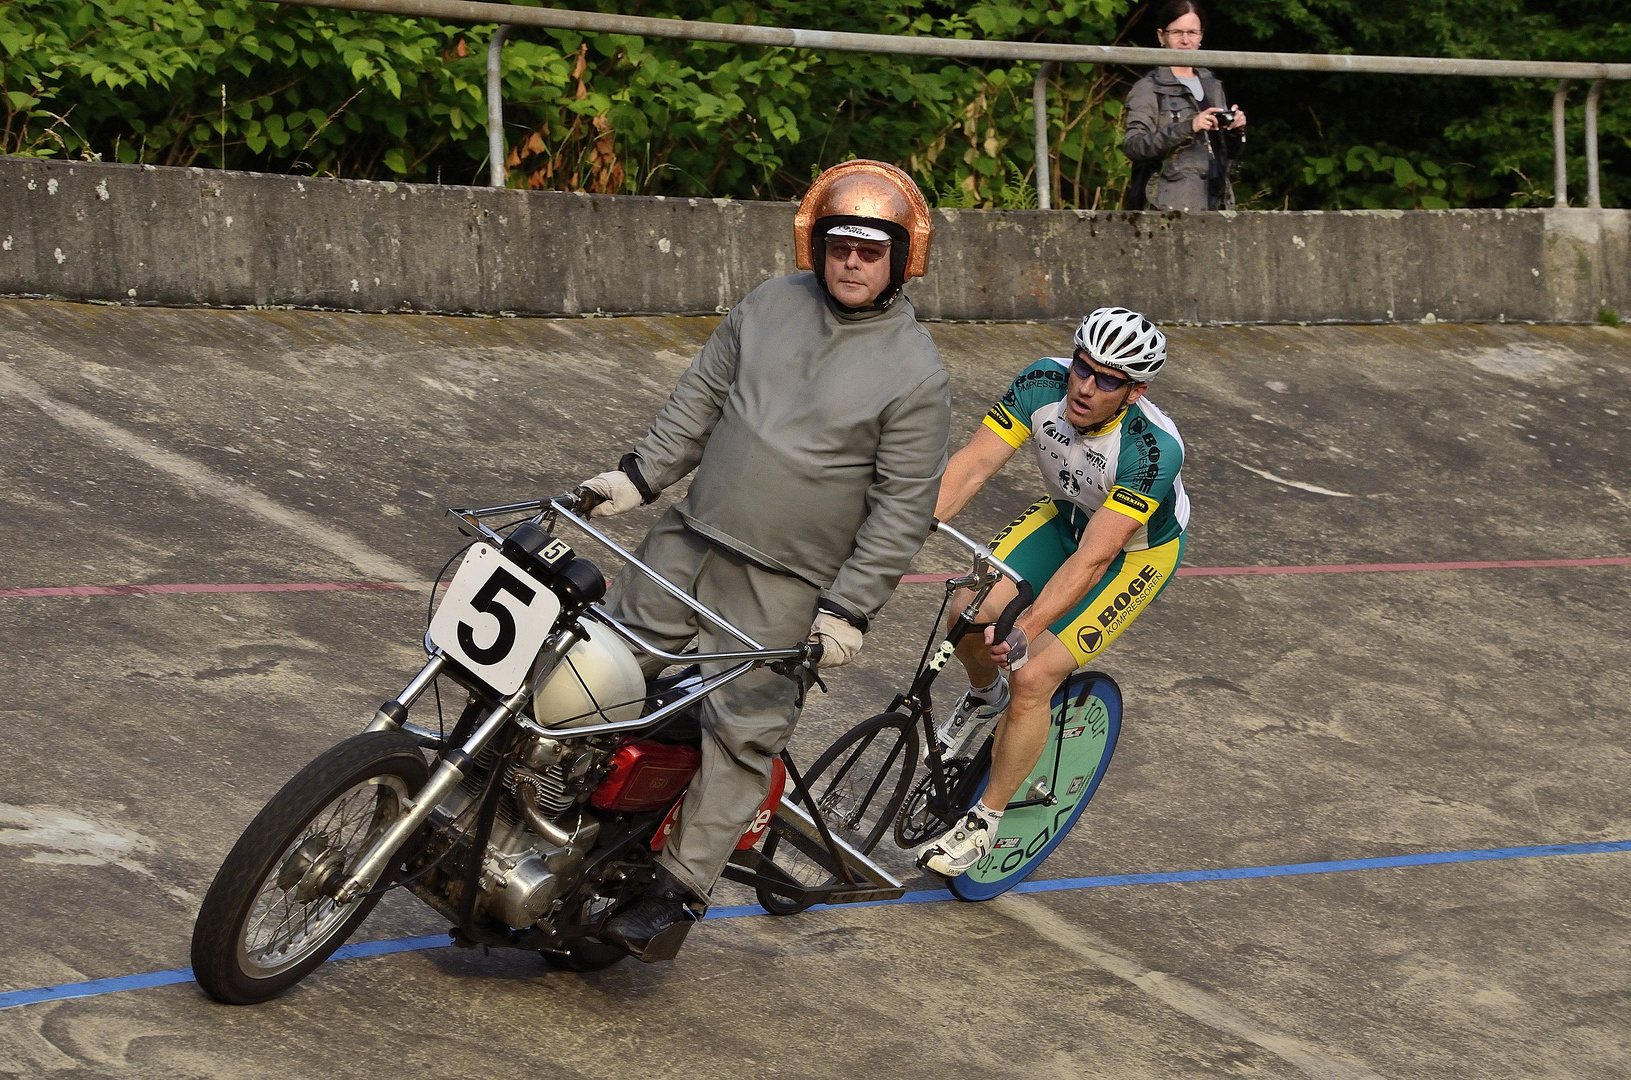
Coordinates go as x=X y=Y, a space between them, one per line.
x=1101 y=545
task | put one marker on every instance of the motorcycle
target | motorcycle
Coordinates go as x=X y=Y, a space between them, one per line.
x=539 y=815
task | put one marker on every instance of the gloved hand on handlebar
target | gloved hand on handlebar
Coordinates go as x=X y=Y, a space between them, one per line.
x=615 y=491
x=839 y=639
x=1015 y=645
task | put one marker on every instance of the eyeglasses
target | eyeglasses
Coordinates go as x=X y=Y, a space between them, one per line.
x=1196 y=34
x=1105 y=381
x=870 y=251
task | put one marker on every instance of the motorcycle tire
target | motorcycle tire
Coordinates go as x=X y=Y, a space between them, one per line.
x=584 y=956
x=312 y=832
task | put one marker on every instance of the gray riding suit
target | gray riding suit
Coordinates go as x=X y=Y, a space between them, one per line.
x=818 y=440
x=1160 y=112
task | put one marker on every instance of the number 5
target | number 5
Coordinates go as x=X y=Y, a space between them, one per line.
x=486 y=602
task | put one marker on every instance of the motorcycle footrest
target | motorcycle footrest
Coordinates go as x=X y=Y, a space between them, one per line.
x=666 y=944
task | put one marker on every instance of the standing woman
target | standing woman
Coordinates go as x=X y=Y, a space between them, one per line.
x=1181 y=153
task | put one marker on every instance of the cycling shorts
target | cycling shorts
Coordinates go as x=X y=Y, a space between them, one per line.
x=1037 y=544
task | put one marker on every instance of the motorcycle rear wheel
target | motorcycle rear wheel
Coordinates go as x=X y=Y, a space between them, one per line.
x=266 y=921
x=584 y=956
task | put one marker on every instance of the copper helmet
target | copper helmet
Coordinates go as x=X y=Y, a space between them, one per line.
x=863 y=192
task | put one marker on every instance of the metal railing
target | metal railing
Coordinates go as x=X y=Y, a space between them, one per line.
x=1048 y=54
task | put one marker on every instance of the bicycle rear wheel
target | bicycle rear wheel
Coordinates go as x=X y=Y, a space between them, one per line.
x=858 y=784
x=1086 y=724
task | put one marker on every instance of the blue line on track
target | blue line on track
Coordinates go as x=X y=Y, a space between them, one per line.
x=97 y=987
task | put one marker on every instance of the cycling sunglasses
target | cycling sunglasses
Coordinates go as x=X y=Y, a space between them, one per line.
x=870 y=251
x=1107 y=382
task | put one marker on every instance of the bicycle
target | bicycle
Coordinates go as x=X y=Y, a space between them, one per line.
x=863 y=783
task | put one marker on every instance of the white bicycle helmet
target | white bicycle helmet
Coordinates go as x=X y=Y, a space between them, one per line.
x=1124 y=340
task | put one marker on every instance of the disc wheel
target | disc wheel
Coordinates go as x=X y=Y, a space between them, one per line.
x=269 y=917
x=917 y=823
x=858 y=784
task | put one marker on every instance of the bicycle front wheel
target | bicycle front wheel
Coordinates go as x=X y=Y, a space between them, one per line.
x=859 y=784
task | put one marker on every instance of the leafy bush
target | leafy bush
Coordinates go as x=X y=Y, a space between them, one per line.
x=246 y=85
x=1365 y=178
x=238 y=84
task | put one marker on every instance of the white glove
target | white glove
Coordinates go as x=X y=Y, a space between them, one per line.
x=617 y=492
x=840 y=641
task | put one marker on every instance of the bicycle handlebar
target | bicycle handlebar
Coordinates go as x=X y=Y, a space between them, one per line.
x=1016 y=607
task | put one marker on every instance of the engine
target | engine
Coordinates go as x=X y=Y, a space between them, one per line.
x=540 y=833
x=543 y=827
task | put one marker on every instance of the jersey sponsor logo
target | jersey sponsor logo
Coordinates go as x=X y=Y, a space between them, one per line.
x=1089 y=639
x=1128 y=499
x=1138 y=425
x=1034 y=508
x=1056 y=376
x=1095 y=459
x=1128 y=600
x=999 y=416
x=1051 y=430
x=1146 y=472
x=1069 y=483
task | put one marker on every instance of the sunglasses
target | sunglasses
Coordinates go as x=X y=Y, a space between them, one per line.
x=1107 y=382
x=870 y=251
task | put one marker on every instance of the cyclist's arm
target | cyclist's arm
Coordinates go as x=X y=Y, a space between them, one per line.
x=1107 y=532
x=969 y=469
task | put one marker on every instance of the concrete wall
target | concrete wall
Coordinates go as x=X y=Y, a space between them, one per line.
x=194 y=237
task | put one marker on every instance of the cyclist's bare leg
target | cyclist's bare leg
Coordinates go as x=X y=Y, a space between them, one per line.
x=1023 y=733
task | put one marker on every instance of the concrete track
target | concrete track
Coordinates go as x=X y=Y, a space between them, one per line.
x=1271 y=719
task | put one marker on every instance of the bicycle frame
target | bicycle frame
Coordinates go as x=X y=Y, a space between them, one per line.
x=857 y=878
x=917 y=701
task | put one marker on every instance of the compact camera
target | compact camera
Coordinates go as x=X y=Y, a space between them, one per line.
x=1225 y=117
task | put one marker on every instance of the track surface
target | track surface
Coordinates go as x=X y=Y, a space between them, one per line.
x=1272 y=719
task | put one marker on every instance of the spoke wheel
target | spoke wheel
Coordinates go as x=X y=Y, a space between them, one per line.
x=859 y=784
x=269 y=917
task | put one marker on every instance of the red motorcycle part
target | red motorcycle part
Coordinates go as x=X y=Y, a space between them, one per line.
x=756 y=828
x=646 y=776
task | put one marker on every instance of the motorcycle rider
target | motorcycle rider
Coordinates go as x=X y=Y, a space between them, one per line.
x=816 y=418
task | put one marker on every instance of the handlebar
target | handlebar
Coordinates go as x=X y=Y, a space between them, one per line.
x=1016 y=607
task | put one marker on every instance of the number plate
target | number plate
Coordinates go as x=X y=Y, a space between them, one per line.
x=494 y=619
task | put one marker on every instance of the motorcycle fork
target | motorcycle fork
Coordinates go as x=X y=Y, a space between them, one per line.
x=450 y=769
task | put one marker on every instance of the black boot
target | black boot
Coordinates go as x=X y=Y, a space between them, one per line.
x=654 y=927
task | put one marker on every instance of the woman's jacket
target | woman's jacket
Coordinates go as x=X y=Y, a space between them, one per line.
x=1186 y=170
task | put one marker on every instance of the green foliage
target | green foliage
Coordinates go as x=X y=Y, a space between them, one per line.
x=1608 y=317
x=1499 y=128
x=238 y=84
x=1366 y=179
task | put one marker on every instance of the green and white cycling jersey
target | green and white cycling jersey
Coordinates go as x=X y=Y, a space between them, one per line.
x=1130 y=465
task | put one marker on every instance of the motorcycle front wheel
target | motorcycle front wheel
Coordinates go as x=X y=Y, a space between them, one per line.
x=268 y=919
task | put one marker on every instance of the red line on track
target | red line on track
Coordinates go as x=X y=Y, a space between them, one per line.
x=1355 y=568
x=909 y=579
x=159 y=590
